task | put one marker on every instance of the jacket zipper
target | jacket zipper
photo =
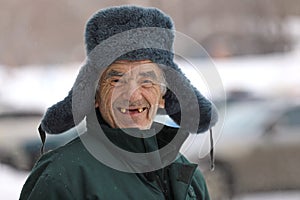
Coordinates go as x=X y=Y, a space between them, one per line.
x=162 y=186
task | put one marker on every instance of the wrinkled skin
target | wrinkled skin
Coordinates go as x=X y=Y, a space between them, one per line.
x=129 y=94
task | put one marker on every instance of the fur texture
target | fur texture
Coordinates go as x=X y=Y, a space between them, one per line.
x=103 y=26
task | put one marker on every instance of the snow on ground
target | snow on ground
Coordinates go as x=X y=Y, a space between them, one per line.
x=36 y=86
x=266 y=75
x=286 y=195
x=11 y=182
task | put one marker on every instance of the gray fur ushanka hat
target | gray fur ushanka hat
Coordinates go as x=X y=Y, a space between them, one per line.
x=103 y=26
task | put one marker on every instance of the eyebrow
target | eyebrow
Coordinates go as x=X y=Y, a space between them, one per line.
x=149 y=74
x=113 y=73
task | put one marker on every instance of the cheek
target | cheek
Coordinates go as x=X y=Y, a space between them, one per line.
x=109 y=95
x=105 y=96
x=152 y=95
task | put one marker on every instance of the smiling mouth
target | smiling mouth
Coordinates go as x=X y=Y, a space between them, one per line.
x=132 y=111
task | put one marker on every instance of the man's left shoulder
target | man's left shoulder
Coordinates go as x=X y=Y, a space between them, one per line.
x=197 y=175
x=182 y=159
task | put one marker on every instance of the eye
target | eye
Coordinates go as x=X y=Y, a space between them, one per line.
x=117 y=82
x=147 y=83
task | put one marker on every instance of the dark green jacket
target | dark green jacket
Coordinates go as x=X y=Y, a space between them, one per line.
x=72 y=172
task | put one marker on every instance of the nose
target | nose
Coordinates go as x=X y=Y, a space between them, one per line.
x=132 y=91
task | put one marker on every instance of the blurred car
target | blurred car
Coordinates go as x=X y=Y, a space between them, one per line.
x=16 y=127
x=259 y=149
x=19 y=139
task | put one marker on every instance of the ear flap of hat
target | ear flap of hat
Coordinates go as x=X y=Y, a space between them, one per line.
x=59 y=117
x=183 y=99
x=207 y=111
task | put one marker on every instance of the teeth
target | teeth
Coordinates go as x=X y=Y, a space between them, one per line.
x=140 y=110
x=123 y=110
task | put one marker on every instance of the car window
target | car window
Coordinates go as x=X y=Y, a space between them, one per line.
x=245 y=118
x=290 y=118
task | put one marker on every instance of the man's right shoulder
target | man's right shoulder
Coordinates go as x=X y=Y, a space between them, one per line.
x=52 y=172
x=60 y=156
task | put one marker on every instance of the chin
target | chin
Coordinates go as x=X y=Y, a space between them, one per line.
x=138 y=126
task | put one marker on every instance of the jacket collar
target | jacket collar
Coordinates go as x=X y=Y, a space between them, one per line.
x=181 y=176
x=138 y=149
x=136 y=140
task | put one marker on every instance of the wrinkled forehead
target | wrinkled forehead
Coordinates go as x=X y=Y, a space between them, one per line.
x=128 y=68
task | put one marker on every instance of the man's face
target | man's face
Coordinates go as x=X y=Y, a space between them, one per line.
x=130 y=94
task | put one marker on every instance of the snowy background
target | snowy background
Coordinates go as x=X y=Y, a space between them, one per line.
x=35 y=87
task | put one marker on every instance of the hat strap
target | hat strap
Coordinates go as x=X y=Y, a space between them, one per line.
x=43 y=138
x=212 y=158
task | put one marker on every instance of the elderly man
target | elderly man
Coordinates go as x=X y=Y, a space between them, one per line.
x=124 y=154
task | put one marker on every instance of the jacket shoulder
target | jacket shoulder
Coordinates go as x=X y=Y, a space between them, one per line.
x=198 y=184
x=51 y=173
